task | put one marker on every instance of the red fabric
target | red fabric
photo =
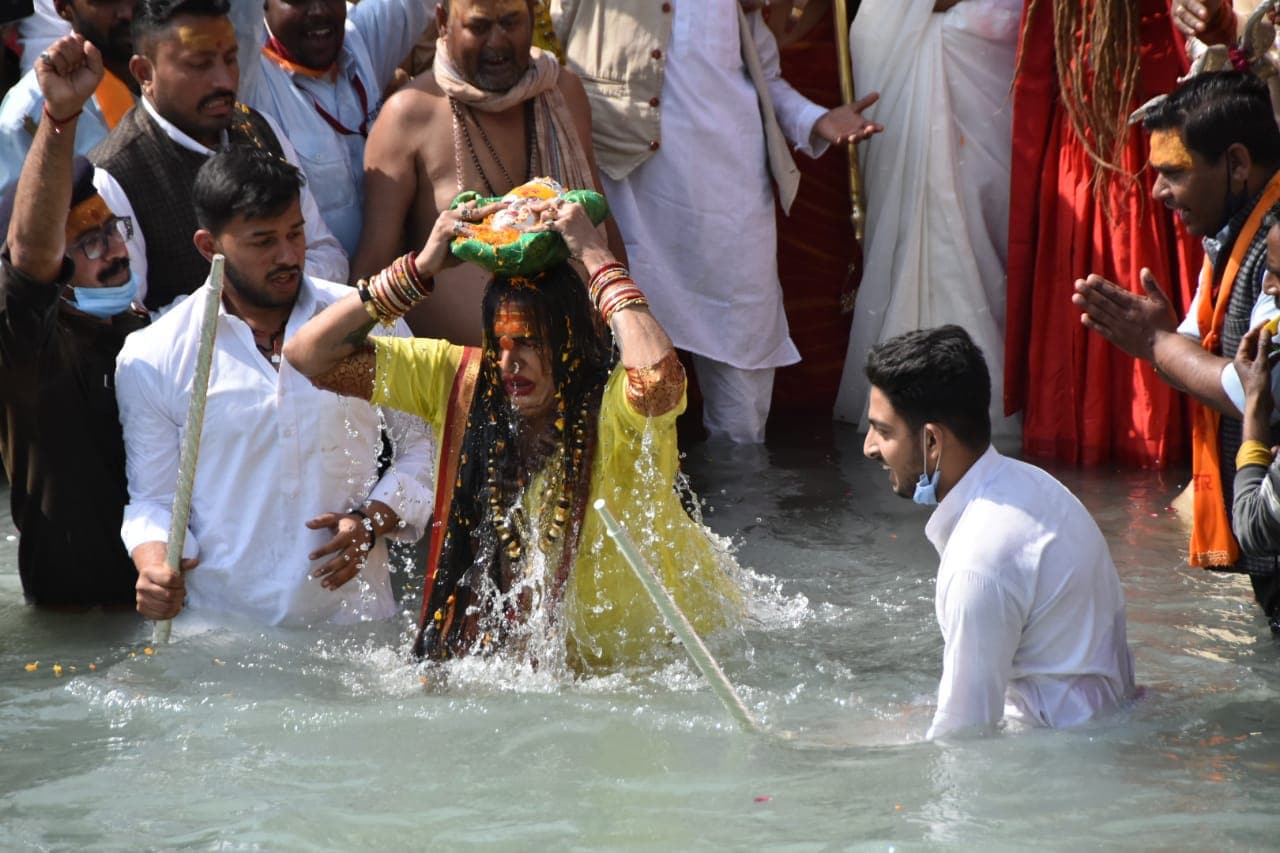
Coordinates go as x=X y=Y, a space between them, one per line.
x=1083 y=400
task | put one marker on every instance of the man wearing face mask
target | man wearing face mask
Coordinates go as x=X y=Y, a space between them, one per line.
x=65 y=307
x=1028 y=600
x=1216 y=150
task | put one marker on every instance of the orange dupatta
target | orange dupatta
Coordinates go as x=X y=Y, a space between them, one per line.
x=1212 y=543
x=114 y=99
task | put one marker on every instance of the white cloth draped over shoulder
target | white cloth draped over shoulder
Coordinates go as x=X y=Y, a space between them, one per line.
x=936 y=179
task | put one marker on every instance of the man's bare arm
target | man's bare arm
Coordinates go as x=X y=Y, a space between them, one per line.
x=68 y=73
x=390 y=182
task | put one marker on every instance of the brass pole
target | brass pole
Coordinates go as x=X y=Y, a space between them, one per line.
x=841 y=18
x=857 y=200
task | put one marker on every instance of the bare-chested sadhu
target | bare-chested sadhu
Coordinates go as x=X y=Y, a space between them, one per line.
x=493 y=113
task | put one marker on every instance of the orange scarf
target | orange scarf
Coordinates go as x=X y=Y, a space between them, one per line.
x=114 y=99
x=275 y=51
x=1212 y=543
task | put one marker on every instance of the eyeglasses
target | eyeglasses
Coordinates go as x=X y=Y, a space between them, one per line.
x=95 y=243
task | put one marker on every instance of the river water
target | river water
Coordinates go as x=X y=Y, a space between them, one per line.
x=243 y=738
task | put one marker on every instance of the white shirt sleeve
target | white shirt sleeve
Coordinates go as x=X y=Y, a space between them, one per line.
x=152 y=443
x=325 y=257
x=390 y=28
x=1190 y=325
x=1264 y=309
x=982 y=625
x=796 y=114
x=251 y=34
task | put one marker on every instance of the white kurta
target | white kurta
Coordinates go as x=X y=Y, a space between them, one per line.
x=378 y=36
x=936 y=180
x=1028 y=600
x=275 y=451
x=698 y=216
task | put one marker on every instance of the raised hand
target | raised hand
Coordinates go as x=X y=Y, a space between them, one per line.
x=847 y=124
x=68 y=73
x=1196 y=17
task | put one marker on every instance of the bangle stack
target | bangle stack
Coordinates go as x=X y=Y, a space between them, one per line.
x=612 y=289
x=390 y=294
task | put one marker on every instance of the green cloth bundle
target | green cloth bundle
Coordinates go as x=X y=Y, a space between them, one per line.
x=502 y=247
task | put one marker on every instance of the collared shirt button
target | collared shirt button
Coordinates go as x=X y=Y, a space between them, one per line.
x=654 y=145
x=657 y=53
x=653 y=102
x=666 y=7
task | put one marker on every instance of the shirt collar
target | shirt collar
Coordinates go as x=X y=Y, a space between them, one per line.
x=176 y=135
x=304 y=307
x=949 y=509
x=1213 y=245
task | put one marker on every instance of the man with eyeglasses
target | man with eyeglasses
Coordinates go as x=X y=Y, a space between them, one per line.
x=66 y=304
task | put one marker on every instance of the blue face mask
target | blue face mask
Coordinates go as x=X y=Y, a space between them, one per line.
x=926 y=493
x=104 y=302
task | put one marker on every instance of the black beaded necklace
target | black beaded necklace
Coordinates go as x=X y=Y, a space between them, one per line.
x=463 y=117
x=272 y=348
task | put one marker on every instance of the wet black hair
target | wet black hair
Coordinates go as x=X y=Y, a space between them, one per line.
x=1216 y=110
x=477 y=544
x=241 y=180
x=936 y=376
x=154 y=16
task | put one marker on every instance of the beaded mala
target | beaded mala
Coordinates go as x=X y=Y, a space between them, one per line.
x=462 y=138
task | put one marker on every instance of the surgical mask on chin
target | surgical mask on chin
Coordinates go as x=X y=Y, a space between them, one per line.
x=926 y=493
x=105 y=302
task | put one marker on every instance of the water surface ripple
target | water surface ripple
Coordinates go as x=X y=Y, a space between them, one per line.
x=242 y=738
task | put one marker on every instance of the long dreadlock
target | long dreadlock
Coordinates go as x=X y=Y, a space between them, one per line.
x=1095 y=45
x=481 y=542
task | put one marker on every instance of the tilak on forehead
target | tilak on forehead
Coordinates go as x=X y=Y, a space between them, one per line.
x=88 y=214
x=207 y=35
x=510 y=322
x=1168 y=151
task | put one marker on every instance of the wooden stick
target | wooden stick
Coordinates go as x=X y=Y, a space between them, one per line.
x=191 y=440
x=678 y=623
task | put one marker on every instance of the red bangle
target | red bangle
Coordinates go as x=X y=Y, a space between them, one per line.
x=59 y=122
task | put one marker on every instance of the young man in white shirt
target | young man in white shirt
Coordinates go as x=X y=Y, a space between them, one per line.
x=1028 y=600
x=290 y=505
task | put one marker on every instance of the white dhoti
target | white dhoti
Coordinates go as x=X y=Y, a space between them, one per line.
x=936 y=180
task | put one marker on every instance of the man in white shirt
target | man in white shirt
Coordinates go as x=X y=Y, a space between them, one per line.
x=288 y=505
x=1028 y=600
x=104 y=23
x=321 y=73
x=186 y=62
